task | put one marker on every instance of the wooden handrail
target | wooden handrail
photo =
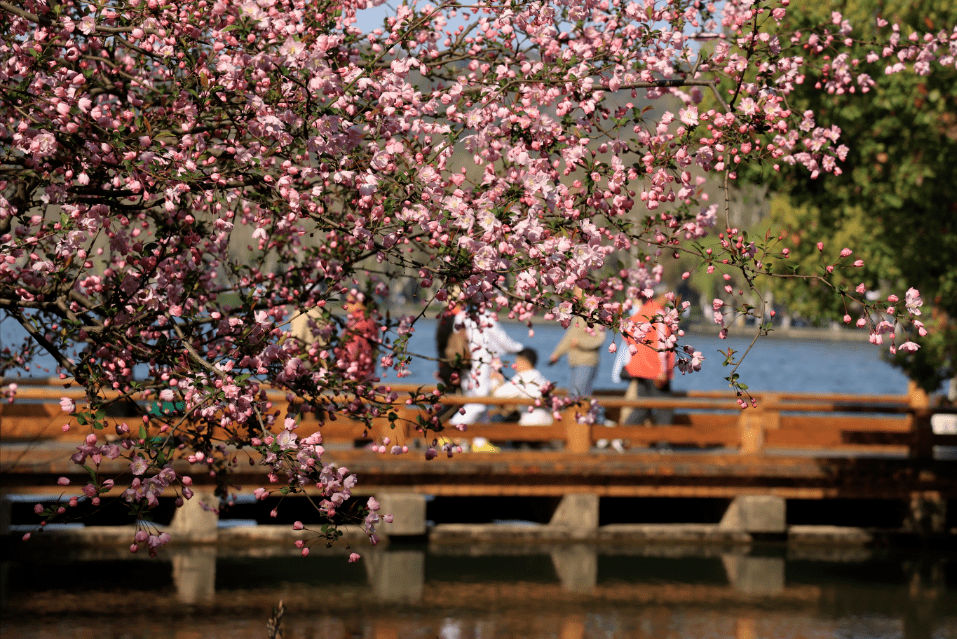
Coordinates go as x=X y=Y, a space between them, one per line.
x=795 y=420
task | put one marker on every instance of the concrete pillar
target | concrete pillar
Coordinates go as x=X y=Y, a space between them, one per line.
x=577 y=510
x=407 y=510
x=927 y=514
x=396 y=576
x=577 y=567
x=754 y=575
x=755 y=514
x=194 y=574
x=194 y=523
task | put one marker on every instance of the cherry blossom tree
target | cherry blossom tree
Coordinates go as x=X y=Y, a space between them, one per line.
x=184 y=181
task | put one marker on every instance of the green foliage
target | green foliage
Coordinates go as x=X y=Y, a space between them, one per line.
x=895 y=205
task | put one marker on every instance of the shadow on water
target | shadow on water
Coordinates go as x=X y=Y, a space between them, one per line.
x=474 y=591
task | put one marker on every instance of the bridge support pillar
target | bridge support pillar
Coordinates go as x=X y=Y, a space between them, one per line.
x=927 y=514
x=754 y=575
x=755 y=514
x=578 y=511
x=577 y=567
x=194 y=523
x=408 y=513
x=396 y=576
x=194 y=574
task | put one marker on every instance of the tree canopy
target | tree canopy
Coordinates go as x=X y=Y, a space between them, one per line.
x=895 y=202
x=182 y=181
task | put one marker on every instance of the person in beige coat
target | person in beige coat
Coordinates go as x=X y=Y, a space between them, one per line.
x=581 y=344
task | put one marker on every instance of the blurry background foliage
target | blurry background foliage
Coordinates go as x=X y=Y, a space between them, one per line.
x=895 y=205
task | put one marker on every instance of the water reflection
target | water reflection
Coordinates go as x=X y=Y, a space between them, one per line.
x=483 y=592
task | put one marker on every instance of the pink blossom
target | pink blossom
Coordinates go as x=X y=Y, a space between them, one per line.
x=689 y=116
x=913 y=302
x=87 y=24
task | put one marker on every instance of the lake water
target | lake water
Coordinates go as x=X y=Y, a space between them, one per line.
x=774 y=364
x=481 y=592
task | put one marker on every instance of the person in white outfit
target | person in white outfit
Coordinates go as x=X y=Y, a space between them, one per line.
x=487 y=341
x=527 y=382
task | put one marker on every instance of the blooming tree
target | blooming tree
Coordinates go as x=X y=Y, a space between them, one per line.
x=184 y=181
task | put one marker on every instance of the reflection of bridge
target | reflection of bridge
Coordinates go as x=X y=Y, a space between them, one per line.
x=553 y=590
x=793 y=447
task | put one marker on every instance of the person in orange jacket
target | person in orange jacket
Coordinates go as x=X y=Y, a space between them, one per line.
x=651 y=368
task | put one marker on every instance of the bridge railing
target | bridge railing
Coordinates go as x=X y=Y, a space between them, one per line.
x=819 y=423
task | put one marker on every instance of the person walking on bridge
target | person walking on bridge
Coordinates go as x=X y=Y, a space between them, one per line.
x=487 y=341
x=650 y=369
x=581 y=343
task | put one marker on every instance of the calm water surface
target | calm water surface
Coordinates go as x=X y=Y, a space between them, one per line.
x=772 y=364
x=565 y=592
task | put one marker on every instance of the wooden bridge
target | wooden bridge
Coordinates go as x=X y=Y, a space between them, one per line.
x=791 y=447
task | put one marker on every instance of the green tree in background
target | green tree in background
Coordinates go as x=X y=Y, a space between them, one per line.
x=895 y=205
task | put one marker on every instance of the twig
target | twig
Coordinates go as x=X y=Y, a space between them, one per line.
x=274 y=625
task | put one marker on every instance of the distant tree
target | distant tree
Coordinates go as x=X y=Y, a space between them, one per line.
x=895 y=201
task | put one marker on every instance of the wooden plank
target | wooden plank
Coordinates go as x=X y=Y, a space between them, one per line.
x=726 y=436
x=505 y=431
x=23 y=421
x=705 y=420
x=843 y=423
